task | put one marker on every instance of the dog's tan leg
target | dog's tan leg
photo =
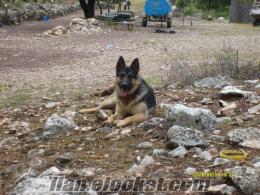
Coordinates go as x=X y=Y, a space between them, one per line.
x=117 y=116
x=108 y=103
x=140 y=117
x=139 y=114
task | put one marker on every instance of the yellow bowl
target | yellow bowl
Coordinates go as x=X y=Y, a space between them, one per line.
x=233 y=154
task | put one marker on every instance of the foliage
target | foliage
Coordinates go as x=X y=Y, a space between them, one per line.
x=209 y=8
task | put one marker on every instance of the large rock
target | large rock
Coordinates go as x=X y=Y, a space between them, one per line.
x=234 y=91
x=183 y=136
x=42 y=184
x=56 y=124
x=213 y=82
x=201 y=119
x=249 y=137
x=247 y=179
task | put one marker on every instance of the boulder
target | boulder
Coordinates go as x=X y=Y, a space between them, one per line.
x=183 y=136
x=248 y=137
x=213 y=82
x=201 y=119
x=246 y=178
x=55 y=125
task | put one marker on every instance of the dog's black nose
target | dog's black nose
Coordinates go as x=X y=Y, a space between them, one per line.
x=124 y=86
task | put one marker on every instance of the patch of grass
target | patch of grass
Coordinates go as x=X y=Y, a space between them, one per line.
x=18 y=98
x=2 y=88
x=153 y=81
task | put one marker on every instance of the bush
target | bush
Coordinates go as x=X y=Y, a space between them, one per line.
x=210 y=9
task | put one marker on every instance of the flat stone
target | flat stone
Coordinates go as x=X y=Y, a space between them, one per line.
x=251 y=82
x=145 y=145
x=221 y=161
x=159 y=152
x=183 y=136
x=234 y=91
x=205 y=155
x=51 y=105
x=151 y=123
x=190 y=171
x=178 y=152
x=257 y=86
x=222 y=189
x=139 y=169
x=254 y=109
x=213 y=82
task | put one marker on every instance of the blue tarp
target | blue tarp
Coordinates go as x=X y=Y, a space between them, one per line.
x=157 y=8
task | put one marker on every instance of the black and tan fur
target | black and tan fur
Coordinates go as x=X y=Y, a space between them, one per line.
x=132 y=98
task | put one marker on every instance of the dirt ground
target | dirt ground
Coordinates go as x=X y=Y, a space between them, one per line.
x=69 y=68
x=31 y=61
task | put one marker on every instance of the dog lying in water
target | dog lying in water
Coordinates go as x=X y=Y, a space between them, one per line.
x=132 y=98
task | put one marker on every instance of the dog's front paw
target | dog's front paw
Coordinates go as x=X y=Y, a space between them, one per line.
x=121 y=123
x=110 y=120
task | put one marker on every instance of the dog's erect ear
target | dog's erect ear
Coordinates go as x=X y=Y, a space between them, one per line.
x=135 y=66
x=120 y=65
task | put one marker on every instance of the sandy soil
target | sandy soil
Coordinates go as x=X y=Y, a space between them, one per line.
x=86 y=62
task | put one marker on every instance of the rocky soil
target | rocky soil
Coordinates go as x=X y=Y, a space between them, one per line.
x=45 y=80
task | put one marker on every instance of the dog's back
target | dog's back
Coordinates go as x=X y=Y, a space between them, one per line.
x=149 y=97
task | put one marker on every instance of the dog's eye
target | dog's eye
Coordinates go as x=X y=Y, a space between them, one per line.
x=122 y=75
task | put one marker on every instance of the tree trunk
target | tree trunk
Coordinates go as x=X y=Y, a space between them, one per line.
x=88 y=8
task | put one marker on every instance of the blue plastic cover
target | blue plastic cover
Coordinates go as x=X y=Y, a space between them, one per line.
x=157 y=7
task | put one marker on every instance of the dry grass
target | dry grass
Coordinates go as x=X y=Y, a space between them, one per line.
x=137 y=5
x=224 y=62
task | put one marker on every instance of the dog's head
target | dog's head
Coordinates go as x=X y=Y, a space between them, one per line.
x=127 y=77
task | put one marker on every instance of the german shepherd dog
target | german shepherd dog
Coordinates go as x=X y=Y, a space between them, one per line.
x=132 y=98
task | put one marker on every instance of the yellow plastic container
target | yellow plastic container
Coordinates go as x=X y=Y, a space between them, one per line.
x=234 y=154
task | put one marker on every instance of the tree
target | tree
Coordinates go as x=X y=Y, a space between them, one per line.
x=88 y=8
